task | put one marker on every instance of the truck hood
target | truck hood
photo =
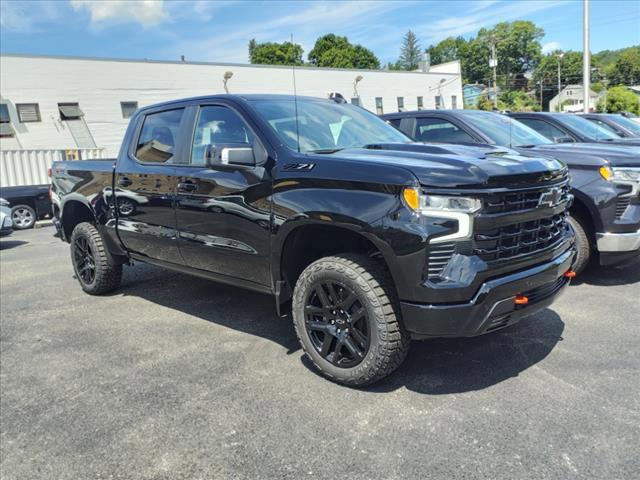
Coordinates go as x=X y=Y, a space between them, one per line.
x=572 y=153
x=460 y=166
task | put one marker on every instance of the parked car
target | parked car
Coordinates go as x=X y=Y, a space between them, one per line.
x=618 y=124
x=605 y=178
x=370 y=238
x=29 y=203
x=569 y=127
x=6 y=225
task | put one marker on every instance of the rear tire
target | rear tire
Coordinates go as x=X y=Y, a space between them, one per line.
x=23 y=217
x=94 y=266
x=583 y=245
x=347 y=319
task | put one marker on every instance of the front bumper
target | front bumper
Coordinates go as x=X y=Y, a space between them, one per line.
x=493 y=306
x=618 y=242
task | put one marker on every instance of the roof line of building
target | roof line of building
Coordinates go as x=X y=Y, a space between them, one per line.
x=219 y=64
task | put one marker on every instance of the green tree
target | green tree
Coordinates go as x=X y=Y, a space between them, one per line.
x=518 y=48
x=473 y=56
x=272 y=53
x=518 y=101
x=619 y=99
x=626 y=68
x=410 y=52
x=336 y=51
x=547 y=73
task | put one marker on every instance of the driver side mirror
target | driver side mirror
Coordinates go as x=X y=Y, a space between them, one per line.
x=563 y=139
x=229 y=154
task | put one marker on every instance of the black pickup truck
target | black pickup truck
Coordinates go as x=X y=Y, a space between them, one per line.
x=370 y=239
x=605 y=178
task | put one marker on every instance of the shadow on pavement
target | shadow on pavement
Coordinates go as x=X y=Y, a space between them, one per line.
x=625 y=274
x=231 y=307
x=435 y=367
x=457 y=365
x=7 y=244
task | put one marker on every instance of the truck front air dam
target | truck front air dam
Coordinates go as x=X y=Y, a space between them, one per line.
x=494 y=304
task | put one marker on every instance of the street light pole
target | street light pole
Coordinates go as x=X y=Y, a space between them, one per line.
x=586 y=58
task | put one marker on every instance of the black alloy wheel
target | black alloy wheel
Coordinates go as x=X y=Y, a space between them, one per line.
x=85 y=261
x=336 y=323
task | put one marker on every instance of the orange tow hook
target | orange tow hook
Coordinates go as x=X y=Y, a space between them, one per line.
x=570 y=274
x=521 y=300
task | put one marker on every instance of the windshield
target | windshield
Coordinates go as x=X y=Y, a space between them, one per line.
x=626 y=123
x=589 y=130
x=504 y=131
x=325 y=126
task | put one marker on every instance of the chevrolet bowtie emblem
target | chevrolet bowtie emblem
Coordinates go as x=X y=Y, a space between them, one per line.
x=551 y=197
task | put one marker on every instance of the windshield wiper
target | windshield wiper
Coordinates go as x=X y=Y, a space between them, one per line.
x=531 y=145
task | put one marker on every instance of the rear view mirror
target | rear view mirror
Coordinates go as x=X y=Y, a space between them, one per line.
x=229 y=154
x=564 y=139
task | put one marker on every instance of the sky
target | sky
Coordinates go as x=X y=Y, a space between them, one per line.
x=219 y=31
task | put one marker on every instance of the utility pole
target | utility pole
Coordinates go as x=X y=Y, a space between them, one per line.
x=493 y=63
x=541 y=83
x=559 y=57
x=586 y=57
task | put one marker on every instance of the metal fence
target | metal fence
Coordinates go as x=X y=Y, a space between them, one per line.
x=29 y=167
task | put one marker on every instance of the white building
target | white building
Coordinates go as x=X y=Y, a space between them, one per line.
x=68 y=103
x=571 y=98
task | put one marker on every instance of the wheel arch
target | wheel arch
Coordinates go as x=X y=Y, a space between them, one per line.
x=306 y=243
x=73 y=212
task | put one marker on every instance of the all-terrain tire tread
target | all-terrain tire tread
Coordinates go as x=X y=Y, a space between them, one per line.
x=108 y=272
x=377 y=282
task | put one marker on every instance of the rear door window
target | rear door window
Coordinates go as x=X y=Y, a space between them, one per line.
x=440 y=130
x=543 y=128
x=159 y=136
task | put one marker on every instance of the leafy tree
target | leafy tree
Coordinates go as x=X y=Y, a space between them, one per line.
x=410 y=52
x=547 y=73
x=626 y=68
x=272 y=53
x=518 y=101
x=473 y=56
x=518 y=47
x=336 y=51
x=619 y=99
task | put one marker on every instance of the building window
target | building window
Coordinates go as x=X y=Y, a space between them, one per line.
x=70 y=111
x=6 y=130
x=128 y=109
x=4 y=113
x=401 y=104
x=379 y=109
x=28 y=112
x=454 y=101
x=420 y=103
x=438 y=101
x=355 y=101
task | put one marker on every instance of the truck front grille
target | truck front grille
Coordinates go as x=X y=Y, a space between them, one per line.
x=524 y=200
x=519 y=238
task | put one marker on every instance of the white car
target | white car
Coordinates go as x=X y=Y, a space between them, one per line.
x=6 y=225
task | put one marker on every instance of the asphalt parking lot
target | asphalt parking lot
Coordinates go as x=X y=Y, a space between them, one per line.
x=176 y=377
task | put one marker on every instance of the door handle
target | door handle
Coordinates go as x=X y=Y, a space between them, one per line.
x=187 y=187
x=124 y=182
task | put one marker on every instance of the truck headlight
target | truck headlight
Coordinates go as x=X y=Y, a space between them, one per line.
x=623 y=175
x=460 y=209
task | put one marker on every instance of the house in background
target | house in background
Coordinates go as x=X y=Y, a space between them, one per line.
x=571 y=99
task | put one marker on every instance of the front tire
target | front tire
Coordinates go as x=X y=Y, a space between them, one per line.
x=583 y=245
x=94 y=266
x=23 y=217
x=346 y=317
